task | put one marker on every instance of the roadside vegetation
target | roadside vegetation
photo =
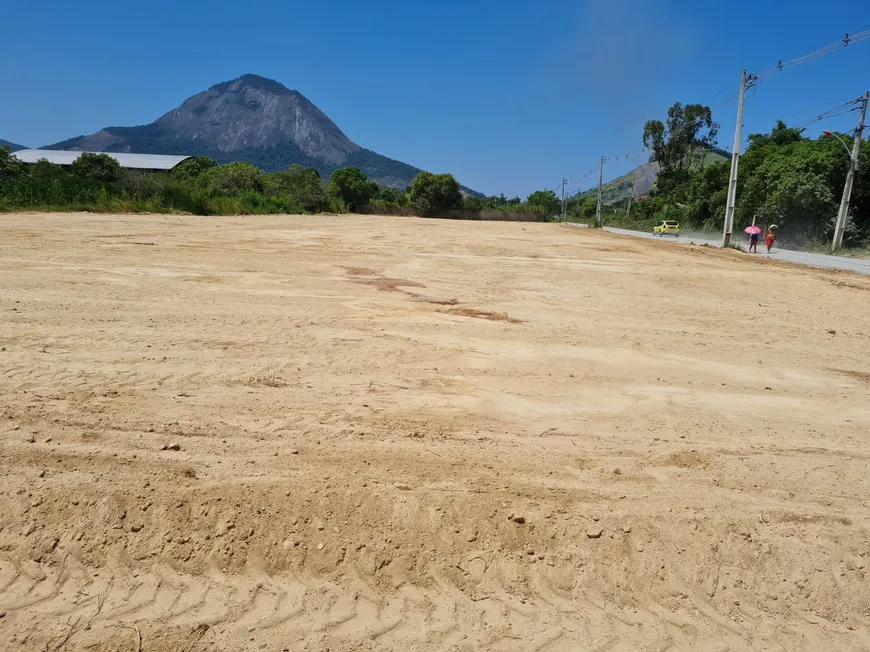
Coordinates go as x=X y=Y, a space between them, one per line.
x=784 y=178
x=199 y=185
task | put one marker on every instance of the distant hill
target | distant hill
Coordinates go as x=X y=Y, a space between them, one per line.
x=642 y=179
x=15 y=148
x=249 y=119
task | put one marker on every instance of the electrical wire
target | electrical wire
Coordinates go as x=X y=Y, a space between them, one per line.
x=848 y=39
x=846 y=100
x=630 y=155
x=730 y=88
x=819 y=118
x=729 y=99
x=842 y=107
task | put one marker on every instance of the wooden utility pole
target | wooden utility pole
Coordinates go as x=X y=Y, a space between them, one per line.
x=850 y=179
x=564 y=211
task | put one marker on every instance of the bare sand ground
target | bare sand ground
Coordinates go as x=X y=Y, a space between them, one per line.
x=399 y=434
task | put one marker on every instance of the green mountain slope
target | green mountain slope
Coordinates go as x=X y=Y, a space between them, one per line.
x=639 y=182
x=15 y=148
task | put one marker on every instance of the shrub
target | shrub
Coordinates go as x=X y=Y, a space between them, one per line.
x=352 y=187
x=194 y=167
x=433 y=192
x=96 y=167
x=232 y=179
x=301 y=185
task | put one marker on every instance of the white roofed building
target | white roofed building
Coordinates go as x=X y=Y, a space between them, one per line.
x=130 y=161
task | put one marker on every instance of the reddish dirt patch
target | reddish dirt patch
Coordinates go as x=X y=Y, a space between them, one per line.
x=383 y=283
x=859 y=375
x=386 y=284
x=804 y=519
x=435 y=300
x=483 y=314
x=361 y=271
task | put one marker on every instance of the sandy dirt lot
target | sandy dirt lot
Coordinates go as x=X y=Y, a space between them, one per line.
x=364 y=433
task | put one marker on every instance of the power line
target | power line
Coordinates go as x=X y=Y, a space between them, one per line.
x=729 y=99
x=842 y=104
x=848 y=39
x=606 y=159
x=851 y=100
x=826 y=116
x=716 y=96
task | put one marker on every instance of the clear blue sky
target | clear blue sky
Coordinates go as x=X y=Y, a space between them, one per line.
x=509 y=95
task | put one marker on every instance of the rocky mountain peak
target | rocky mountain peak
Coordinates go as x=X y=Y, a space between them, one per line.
x=253 y=112
x=250 y=118
x=252 y=82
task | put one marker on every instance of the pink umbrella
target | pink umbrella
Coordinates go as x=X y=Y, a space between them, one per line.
x=752 y=229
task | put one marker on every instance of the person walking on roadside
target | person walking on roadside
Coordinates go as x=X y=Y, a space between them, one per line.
x=770 y=237
x=754 y=234
x=753 y=242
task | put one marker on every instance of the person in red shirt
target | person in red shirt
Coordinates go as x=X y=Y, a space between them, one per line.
x=770 y=237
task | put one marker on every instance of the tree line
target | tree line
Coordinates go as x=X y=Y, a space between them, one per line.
x=199 y=185
x=784 y=177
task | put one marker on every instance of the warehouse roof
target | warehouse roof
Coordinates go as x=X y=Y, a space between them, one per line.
x=134 y=161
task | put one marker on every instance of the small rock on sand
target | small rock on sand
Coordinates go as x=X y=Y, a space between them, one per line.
x=172 y=447
x=517 y=519
x=594 y=532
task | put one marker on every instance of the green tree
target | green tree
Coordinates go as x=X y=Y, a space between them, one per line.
x=683 y=139
x=472 y=203
x=232 y=179
x=781 y=135
x=588 y=206
x=194 y=167
x=302 y=185
x=544 y=201
x=352 y=187
x=790 y=187
x=96 y=167
x=388 y=197
x=434 y=192
x=10 y=166
x=44 y=171
x=707 y=194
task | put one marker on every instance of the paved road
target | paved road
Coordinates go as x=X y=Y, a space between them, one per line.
x=860 y=265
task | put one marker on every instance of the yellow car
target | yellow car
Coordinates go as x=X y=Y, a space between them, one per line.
x=667 y=227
